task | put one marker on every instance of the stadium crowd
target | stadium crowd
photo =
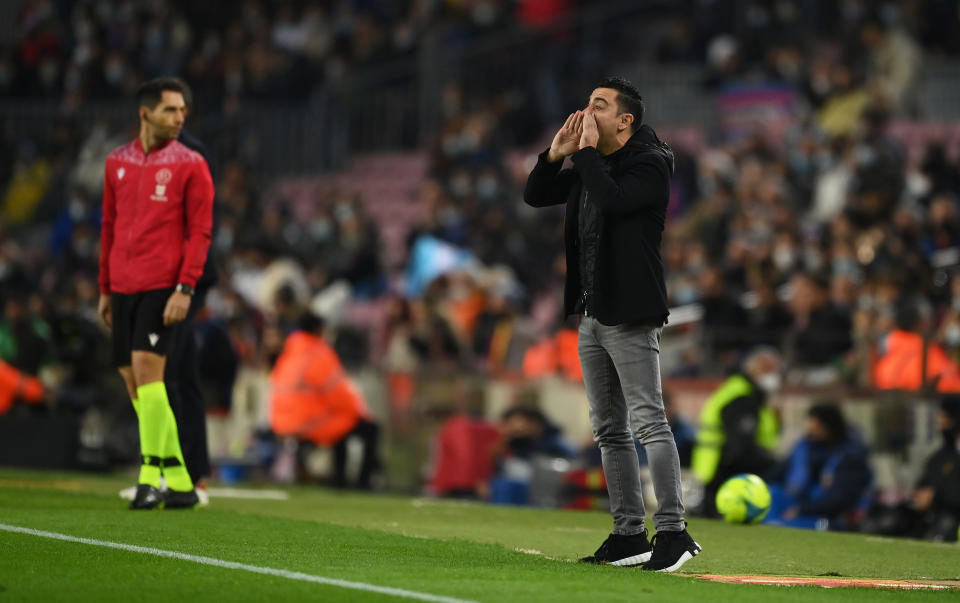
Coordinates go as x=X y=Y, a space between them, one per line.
x=820 y=243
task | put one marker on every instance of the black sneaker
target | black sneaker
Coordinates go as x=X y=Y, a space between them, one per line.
x=671 y=550
x=147 y=497
x=622 y=550
x=181 y=500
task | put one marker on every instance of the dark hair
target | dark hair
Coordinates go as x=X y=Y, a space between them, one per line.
x=311 y=323
x=831 y=417
x=150 y=93
x=950 y=405
x=285 y=294
x=628 y=98
x=908 y=314
x=531 y=414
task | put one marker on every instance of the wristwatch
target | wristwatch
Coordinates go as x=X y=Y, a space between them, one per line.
x=184 y=288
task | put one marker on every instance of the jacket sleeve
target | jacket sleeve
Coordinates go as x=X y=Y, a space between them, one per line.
x=645 y=183
x=198 y=211
x=106 y=231
x=548 y=184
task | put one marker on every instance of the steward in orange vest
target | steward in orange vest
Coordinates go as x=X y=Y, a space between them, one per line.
x=902 y=362
x=314 y=400
x=901 y=366
x=15 y=385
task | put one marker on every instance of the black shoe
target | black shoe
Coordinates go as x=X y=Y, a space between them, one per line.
x=181 y=500
x=671 y=550
x=147 y=497
x=622 y=550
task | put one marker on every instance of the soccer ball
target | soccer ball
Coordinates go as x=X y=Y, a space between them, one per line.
x=743 y=498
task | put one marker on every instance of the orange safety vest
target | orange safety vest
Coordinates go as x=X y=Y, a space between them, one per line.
x=311 y=396
x=567 y=355
x=556 y=354
x=15 y=385
x=901 y=367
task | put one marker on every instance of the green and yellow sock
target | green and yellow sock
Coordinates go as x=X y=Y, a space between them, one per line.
x=174 y=469
x=149 y=405
x=150 y=467
x=160 y=439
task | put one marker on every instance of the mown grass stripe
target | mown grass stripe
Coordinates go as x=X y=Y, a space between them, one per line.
x=269 y=571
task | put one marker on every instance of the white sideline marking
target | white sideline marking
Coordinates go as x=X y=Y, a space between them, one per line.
x=256 y=569
x=248 y=493
x=130 y=492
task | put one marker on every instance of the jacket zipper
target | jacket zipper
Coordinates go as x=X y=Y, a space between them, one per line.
x=583 y=294
x=136 y=207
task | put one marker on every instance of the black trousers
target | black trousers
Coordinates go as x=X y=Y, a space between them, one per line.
x=182 y=380
x=369 y=433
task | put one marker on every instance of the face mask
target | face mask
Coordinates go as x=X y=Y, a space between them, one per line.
x=783 y=258
x=769 y=383
x=845 y=266
x=460 y=185
x=487 y=187
x=522 y=445
x=114 y=72
x=813 y=258
x=343 y=212
x=321 y=229
x=77 y=209
x=83 y=246
x=952 y=335
x=684 y=294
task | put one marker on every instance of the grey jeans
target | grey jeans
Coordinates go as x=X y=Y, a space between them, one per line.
x=621 y=371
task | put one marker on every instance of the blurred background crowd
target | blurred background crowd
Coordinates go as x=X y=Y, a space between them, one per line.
x=369 y=160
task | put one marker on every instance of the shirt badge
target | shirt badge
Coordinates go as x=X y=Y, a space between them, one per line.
x=163 y=176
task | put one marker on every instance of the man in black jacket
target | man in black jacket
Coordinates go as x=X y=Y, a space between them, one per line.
x=616 y=199
x=182 y=376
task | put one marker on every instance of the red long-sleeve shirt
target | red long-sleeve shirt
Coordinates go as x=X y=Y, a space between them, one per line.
x=157 y=218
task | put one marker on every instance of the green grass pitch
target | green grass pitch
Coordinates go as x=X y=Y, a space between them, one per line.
x=461 y=551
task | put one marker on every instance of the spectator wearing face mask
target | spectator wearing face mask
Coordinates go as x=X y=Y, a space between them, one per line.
x=738 y=429
x=525 y=434
x=825 y=482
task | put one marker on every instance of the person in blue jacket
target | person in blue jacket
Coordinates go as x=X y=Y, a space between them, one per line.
x=824 y=482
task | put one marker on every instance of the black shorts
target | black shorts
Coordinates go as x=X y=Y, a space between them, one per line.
x=138 y=324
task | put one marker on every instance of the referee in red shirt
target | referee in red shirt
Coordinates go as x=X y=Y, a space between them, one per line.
x=157 y=220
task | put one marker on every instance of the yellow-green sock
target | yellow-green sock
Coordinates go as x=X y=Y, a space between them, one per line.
x=152 y=423
x=174 y=469
x=160 y=437
x=150 y=469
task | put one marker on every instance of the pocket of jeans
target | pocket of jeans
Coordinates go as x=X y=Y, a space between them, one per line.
x=654 y=335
